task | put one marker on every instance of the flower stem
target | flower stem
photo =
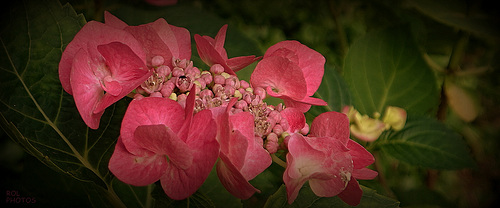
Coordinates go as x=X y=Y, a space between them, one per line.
x=113 y=198
x=381 y=176
x=278 y=161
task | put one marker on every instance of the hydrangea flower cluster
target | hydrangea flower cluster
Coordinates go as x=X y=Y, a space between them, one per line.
x=183 y=120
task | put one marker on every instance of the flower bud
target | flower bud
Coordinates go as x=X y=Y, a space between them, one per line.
x=219 y=79
x=277 y=129
x=260 y=92
x=157 y=61
x=163 y=71
x=206 y=93
x=272 y=143
x=177 y=72
x=184 y=83
x=244 y=84
x=394 y=117
x=216 y=69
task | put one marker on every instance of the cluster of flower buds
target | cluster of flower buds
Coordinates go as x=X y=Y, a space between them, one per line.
x=215 y=88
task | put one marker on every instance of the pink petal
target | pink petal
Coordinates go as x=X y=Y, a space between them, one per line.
x=113 y=21
x=238 y=147
x=149 y=111
x=360 y=156
x=88 y=38
x=327 y=188
x=302 y=107
x=364 y=174
x=137 y=170
x=306 y=159
x=110 y=86
x=309 y=61
x=293 y=185
x=238 y=63
x=233 y=180
x=151 y=42
x=331 y=124
x=180 y=183
x=188 y=112
x=279 y=76
x=126 y=68
x=220 y=38
x=257 y=159
x=352 y=194
x=295 y=118
x=177 y=39
x=209 y=54
x=183 y=41
x=162 y=141
x=87 y=90
x=305 y=104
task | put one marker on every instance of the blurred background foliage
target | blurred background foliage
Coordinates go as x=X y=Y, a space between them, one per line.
x=459 y=39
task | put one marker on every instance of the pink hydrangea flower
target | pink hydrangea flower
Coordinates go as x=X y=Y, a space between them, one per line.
x=212 y=52
x=291 y=71
x=242 y=154
x=100 y=66
x=159 y=39
x=162 y=141
x=328 y=159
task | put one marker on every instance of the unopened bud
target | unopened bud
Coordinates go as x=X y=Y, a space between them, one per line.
x=157 y=61
x=216 y=69
x=260 y=92
x=244 y=84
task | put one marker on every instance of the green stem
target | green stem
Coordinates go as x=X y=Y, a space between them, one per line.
x=149 y=199
x=113 y=198
x=381 y=176
x=278 y=161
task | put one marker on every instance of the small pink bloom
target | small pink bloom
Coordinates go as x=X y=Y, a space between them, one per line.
x=99 y=67
x=212 y=52
x=162 y=141
x=242 y=155
x=328 y=159
x=158 y=39
x=291 y=71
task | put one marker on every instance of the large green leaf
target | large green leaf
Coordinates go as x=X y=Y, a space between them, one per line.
x=428 y=143
x=36 y=112
x=307 y=198
x=461 y=14
x=385 y=68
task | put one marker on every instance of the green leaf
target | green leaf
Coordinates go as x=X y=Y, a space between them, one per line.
x=36 y=111
x=426 y=198
x=385 y=68
x=307 y=198
x=460 y=14
x=427 y=143
x=333 y=90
